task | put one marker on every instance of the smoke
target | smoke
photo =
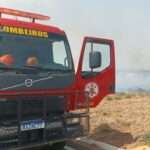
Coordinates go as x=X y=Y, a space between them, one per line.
x=126 y=22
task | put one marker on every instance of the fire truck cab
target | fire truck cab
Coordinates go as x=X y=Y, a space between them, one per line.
x=42 y=99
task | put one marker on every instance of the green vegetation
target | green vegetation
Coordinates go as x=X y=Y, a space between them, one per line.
x=146 y=139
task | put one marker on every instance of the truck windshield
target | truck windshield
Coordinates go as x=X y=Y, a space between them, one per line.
x=21 y=51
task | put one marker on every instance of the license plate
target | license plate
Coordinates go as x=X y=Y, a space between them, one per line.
x=32 y=125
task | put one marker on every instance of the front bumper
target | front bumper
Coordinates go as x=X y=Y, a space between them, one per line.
x=12 y=138
x=57 y=127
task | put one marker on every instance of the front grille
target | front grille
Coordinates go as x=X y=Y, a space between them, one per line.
x=15 y=111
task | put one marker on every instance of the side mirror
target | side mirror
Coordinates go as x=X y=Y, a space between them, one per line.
x=95 y=59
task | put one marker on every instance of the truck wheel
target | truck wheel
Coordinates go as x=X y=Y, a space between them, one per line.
x=58 y=146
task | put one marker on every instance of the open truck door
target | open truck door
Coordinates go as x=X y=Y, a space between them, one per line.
x=96 y=69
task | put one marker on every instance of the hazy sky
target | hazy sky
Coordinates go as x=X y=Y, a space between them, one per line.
x=127 y=22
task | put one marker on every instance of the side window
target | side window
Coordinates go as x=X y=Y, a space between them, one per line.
x=59 y=54
x=104 y=49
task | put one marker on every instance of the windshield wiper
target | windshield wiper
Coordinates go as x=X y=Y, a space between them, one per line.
x=4 y=68
x=40 y=68
x=31 y=69
x=35 y=67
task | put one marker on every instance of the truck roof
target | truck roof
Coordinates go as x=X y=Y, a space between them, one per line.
x=30 y=25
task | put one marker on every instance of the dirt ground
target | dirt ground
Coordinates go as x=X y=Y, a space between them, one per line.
x=122 y=120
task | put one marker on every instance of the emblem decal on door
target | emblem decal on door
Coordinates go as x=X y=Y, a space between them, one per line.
x=92 y=88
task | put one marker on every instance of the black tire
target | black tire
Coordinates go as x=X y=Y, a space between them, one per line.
x=58 y=146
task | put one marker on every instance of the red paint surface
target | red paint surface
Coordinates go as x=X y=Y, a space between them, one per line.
x=105 y=79
x=30 y=25
x=23 y=14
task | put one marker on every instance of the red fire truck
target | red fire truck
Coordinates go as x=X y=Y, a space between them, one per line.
x=42 y=100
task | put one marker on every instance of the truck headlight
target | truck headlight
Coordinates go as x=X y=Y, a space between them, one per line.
x=73 y=120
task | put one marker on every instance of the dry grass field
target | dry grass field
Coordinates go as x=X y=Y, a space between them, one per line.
x=122 y=120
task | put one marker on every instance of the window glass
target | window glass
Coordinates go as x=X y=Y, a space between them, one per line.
x=104 y=49
x=59 y=53
x=52 y=52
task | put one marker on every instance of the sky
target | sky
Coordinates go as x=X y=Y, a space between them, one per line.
x=126 y=22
